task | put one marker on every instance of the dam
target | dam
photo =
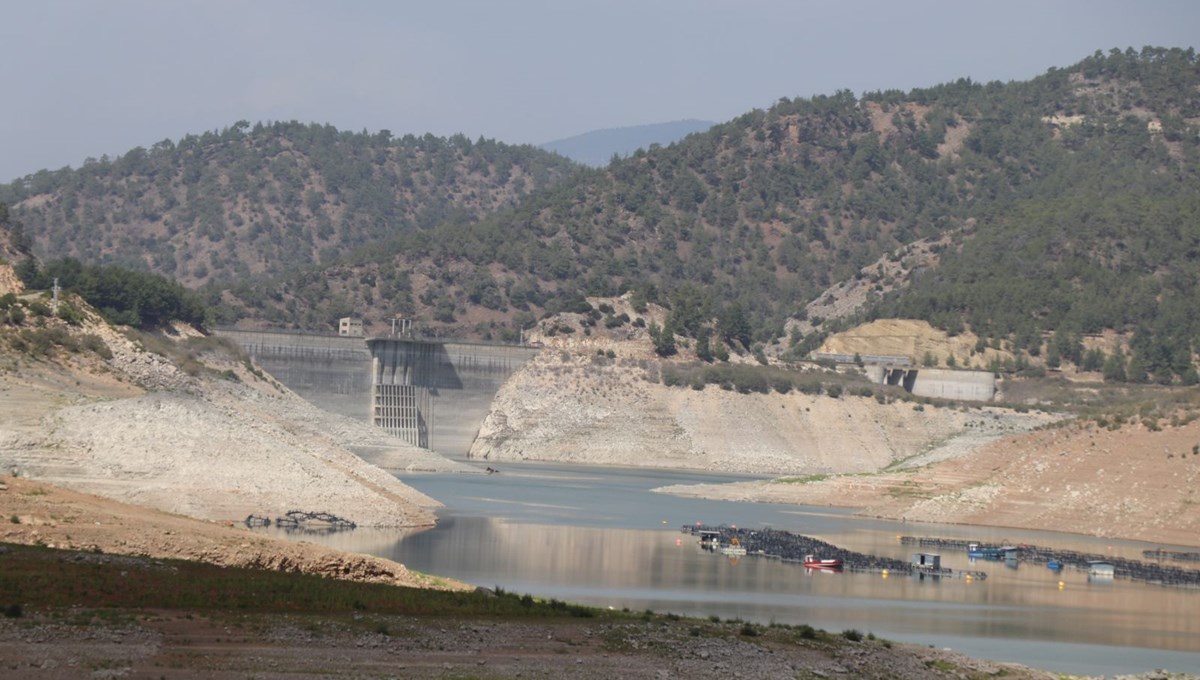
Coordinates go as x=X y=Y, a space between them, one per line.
x=428 y=392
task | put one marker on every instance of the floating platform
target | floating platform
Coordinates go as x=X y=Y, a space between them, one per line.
x=789 y=547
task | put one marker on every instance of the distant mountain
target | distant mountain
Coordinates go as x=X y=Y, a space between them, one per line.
x=597 y=148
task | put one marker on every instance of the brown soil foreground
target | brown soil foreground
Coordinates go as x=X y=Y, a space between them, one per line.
x=180 y=645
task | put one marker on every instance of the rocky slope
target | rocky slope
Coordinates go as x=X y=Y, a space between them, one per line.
x=202 y=434
x=574 y=405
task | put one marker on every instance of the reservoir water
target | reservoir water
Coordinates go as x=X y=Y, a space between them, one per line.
x=600 y=536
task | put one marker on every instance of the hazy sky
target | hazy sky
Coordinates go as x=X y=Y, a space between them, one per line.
x=86 y=78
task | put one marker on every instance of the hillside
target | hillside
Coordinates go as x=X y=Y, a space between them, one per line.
x=1032 y=213
x=183 y=423
x=263 y=200
x=763 y=214
x=598 y=147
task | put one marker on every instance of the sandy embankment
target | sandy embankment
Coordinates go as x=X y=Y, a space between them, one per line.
x=1130 y=483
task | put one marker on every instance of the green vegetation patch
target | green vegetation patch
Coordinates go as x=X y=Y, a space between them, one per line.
x=807 y=479
x=34 y=577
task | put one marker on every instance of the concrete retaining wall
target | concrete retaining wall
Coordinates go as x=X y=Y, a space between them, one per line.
x=944 y=383
x=940 y=383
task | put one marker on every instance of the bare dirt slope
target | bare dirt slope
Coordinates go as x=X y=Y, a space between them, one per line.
x=887 y=274
x=572 y=407
x=218 y=441
x=916 y=340
x=1130 y=483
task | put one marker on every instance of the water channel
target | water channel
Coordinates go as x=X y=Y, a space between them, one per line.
x=600 y=536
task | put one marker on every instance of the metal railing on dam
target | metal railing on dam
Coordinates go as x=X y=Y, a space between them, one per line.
x=429 y=392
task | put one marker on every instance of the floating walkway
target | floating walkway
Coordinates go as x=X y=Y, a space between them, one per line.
x=789 y=547
x=1160 y=574
x=1160 y=554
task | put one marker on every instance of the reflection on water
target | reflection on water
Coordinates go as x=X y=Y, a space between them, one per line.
x=598 y=537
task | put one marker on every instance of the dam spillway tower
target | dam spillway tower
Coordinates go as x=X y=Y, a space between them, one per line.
x=403 y=378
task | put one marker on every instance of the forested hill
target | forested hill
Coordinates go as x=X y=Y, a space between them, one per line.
x=267 y=199
x=1065 y=199
x=1068 y=203
x=1097 y=226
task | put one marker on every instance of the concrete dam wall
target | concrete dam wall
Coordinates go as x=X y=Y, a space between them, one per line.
x=431 y=393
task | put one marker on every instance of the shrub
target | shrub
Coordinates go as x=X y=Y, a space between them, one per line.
x=672 y=376
x=93 y=343
x=748 y=380
x=852 y=635
x=69 y=314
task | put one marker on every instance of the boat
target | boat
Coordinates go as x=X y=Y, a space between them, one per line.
x=1054 y=565
x=811 y=562
x=978 y=552
x=734 y=549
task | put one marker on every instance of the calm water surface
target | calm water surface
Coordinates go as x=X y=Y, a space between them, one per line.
x=600 y=536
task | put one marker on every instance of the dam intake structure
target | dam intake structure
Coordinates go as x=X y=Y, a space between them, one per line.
x=431 y=393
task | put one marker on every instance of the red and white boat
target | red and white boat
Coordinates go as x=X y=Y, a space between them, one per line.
x=811 y=562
